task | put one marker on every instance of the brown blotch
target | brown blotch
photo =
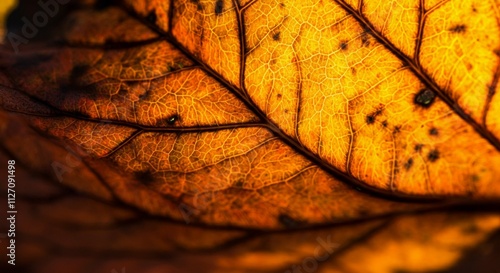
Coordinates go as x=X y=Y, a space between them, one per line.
x=239 y=183
x=497 y=52
x=385 y=123
x=370 y=119
x=287 y=221
x=460 y=28
x=276 y=36
x=433 y=155
x=144 y=176
x=397 y=129
x=409 y=163
x=219 y=7
x=279 y=96
x=433 y=132
x=418 y=147
x=343 y=45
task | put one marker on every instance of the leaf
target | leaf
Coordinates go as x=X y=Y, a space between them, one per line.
x=74 y=231
x=263 y=116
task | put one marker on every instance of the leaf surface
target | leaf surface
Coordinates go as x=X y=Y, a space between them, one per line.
x=268 y=115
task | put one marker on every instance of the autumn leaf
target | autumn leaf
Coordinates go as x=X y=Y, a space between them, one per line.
x=263 y=129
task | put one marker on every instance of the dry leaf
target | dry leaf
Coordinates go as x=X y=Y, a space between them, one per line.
x=243 y=135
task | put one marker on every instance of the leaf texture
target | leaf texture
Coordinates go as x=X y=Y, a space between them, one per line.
x=261 y=116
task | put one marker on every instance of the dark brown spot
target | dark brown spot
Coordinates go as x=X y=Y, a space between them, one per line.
x=279 y=96
x=343 y=45
x=371 y=117
x=276 y=36
x=497 y=52
x=418 y=147
x=433 y=155
x=239 y=183
x=282 y=5
x=145 y=176
x=219 y=7
x=287 y=221
x=384 y=123
x=353 y=70
x=408 y=163
x=286 y=111
x=172 y=119
x=424 y=98
x=397 y=129
x=152 y=17
x=460 y=28
x=433 y=132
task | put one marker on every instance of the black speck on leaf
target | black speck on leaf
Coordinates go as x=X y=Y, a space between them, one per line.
x=425 y=98
x=172 y=119
x=276 y=36
x=433 y=155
